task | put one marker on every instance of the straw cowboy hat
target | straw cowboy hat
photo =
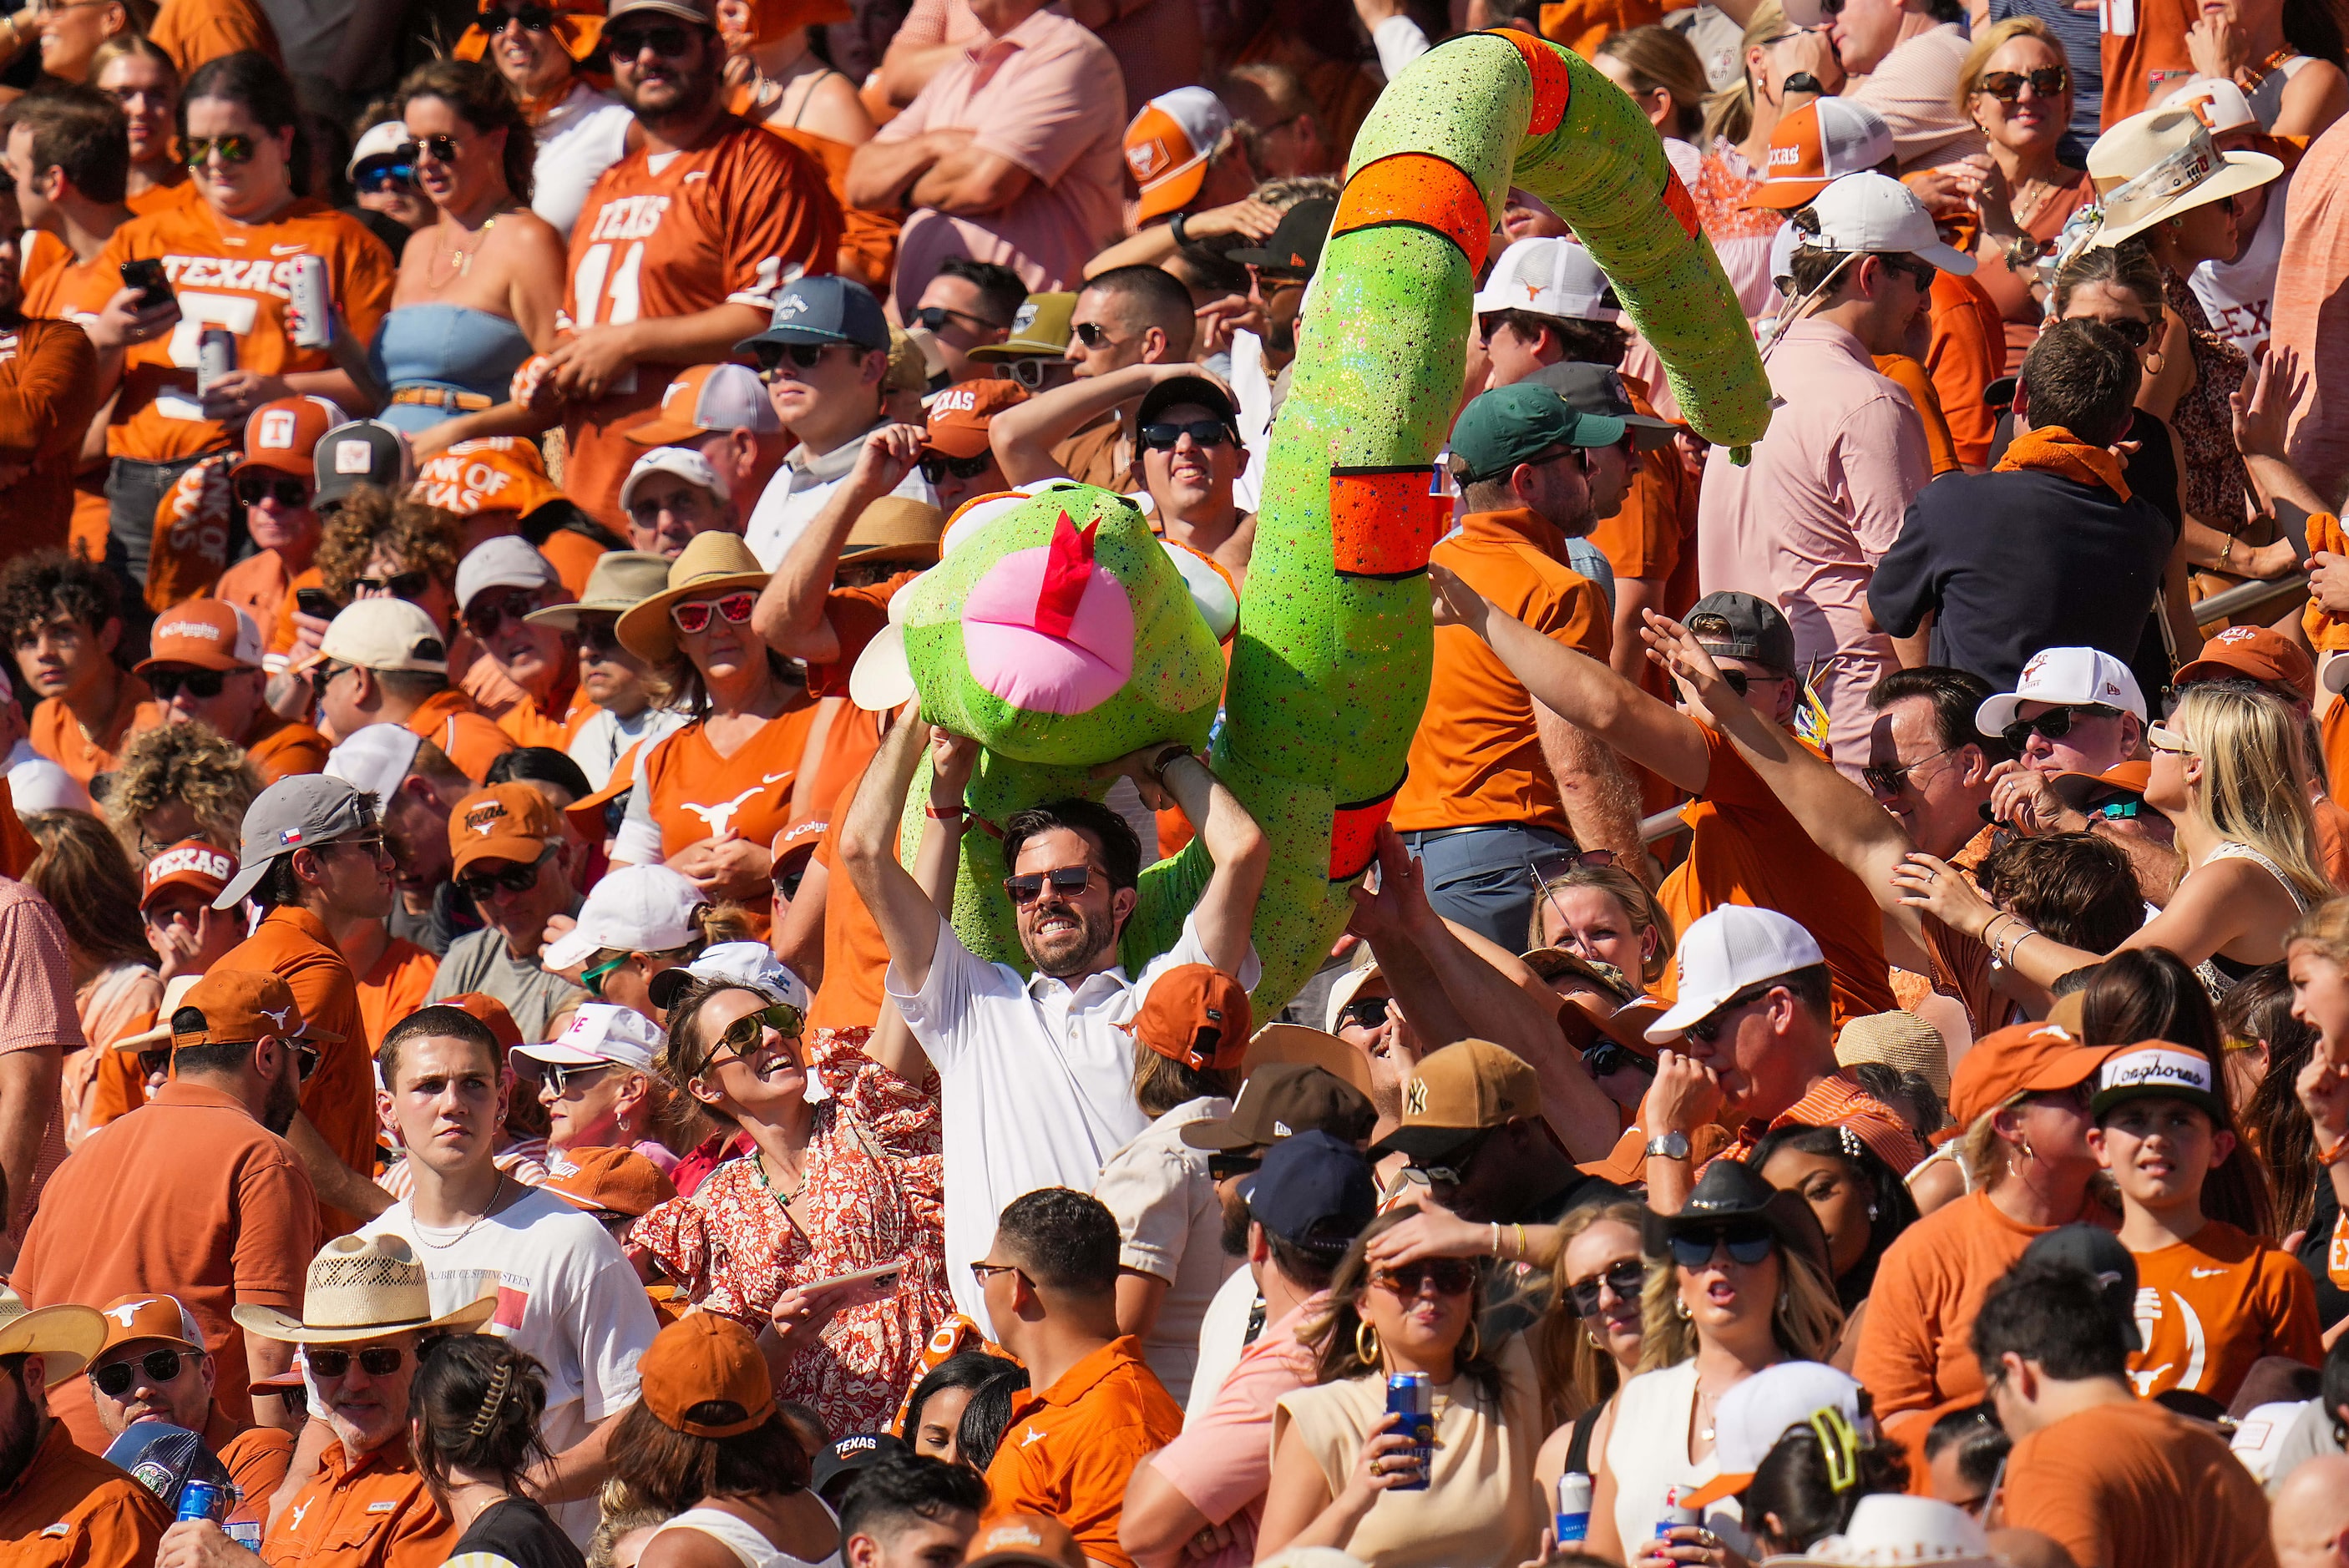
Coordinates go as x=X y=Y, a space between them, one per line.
x=65 y=1336
x=1894 y=1531
x=2161 y=163
x=709 y=564
x=361 y=1288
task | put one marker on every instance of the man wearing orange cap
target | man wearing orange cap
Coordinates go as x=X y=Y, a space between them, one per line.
x=175 y=906
x=196 y=1192
x=154 y=1367
x=2029 y=1083
x=957 y=458
x=721 y=412
x=278 y=482
x=203 y=665
x=509 y=850
x=1196 y=177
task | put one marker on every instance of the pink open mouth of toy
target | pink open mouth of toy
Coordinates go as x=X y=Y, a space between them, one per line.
x=1048 y=630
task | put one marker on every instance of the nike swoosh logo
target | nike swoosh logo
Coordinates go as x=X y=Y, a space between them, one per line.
x=287 y=250
x=2205 y=1274
x=772 y=778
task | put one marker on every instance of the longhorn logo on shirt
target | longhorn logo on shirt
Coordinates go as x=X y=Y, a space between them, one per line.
x=719 y=818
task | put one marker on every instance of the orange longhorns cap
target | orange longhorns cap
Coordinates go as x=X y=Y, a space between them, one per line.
x=700 y=1360
x=280 y=436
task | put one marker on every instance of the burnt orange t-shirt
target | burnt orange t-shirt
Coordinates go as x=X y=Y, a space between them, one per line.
x=56 y=735
x=233 y=276
x=1746 y=847
x=194 y=31
x=177 y=191
x=340 y=1099
x=450 y=721
x=1967 y=353
x=693 y=793
x=373 y=1513
x=2144 y=55
x=2133 y=1482
x=284 y=748
x=1918 y=382
x=529 y=726
x=1476 y=758
x=256 y=1458
x=258 y=584
x=75 y=293
x=48 y=391
x=73 y=1509
x=2331 y=838
x=396 y=986
x=1643 y=537
x=2211 y=1306
x=730 y=221
x=1071 y=1448
x=855 y=954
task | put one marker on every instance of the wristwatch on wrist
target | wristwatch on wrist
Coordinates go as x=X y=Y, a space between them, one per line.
x=1165 y=759
x=1668 y=1146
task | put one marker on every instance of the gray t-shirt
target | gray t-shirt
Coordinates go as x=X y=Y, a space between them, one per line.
x=482 y=962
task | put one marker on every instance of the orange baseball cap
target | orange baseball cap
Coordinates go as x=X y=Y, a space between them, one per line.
x=1197 y=1015
x=280 y=436
x=129 y=1318
x=2021 y=1058
x=494 y=473
x=2267 y=657
x=2076 y=789
x=1027 y=1539
x=238 y=1006
x=961 y=414
x=508 y=821
x=492 y=1013
x=1168 y=145
x=707 y=398
x=210 y=634
x=614 y=1180
x=1820 y=142
x=699 y=1360
x=190 y=863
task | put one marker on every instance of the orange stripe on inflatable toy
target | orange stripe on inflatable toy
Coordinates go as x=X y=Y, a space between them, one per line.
x=1552 y=85
x=1384 y=522
x=1422 y=191
x=1354 y=835
x=1677 y=202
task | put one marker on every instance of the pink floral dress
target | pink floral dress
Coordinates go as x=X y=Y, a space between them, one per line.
x=874 y=1192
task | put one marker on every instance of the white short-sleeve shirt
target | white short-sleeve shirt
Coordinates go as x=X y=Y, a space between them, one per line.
x=581 y=136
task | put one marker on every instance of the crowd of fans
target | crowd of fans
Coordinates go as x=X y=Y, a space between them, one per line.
x=1842 y=1056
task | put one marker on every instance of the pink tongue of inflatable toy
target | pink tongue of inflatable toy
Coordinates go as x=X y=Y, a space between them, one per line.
x=1047 y=629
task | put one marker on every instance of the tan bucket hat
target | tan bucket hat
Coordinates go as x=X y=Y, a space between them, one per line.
x=711 y=564
x=66 y=1336
x=359 y=1287
x=2162 y=162
x=621 y=579
x=896 y=528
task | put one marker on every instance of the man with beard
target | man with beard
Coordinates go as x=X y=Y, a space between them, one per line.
x=681 y=250
x=989 y=1031
x=61 y=1504
x=195 y=1193
x=48 y=390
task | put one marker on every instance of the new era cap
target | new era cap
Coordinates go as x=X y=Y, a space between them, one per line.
x=514 y=821
x=959 y=415
x=1725 y=950
x=296 y=813
x=1549 y=275
x=1876 y=214
x=1824 y=140
x=1279 y=1100
x=208 y=633
x=707 y=398
x=1314 y=1190
x=2064 y=677
x=601 y=1032
x=1168 y=145
x=385 y=634
x=283 y=436
x=825 y=309
x=1040 y=326
x=1457 y=1092
x=362 y=452
x=190 y=863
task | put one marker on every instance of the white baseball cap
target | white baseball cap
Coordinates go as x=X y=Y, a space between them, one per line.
x=1755 y=1414
x=375 y=759
x=1722 y=952
x=385 y=634
x=2066 y=676
x=642 y=909
x=751 y=964
x=1892 y=1530
x=382 y=140
x=1548 y=276
x=682 y=462
x=509 y=561
x=1877 y=214
x=601 y=1032
x=2219 y=103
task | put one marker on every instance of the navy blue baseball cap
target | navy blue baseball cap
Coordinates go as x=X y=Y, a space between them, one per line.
x=826 y=309
x=1314 y=1190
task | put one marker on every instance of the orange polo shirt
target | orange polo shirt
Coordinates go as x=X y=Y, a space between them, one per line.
x=1071 y=1448
x=1643 y=537
x=374 y=1513
x=73 y=1509
x=1966 y=354
x=1476 y=759
x=284 y=749
x=56 y=735
x=256 y=1458
x=527 y=725
x=396 y=985
x=450 y=720
x=340 y=1099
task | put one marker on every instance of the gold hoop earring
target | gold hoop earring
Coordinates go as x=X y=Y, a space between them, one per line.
x=1473 y=1344
x=1592 y=1336
x=1366 y=1343
x=1681 y=1309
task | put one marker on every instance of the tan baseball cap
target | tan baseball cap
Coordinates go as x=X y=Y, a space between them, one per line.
x=210 y=634
x=510 y=821
x=1458 y=1092
x=385 y=634
x=237 y=1007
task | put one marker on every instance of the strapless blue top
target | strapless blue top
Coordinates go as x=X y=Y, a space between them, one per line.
x=448 y=347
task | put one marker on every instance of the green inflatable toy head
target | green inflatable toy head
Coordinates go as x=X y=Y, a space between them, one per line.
x=1057 y=631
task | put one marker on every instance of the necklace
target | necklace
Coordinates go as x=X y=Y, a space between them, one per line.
x=462 y=255
x=424 y=1232
x=2267 y=68
x=783 y=1200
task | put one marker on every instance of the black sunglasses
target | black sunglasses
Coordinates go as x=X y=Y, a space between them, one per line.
x=1609 y=1057
x=2007 y=86
x=114 y=1379
x=1747 y=1244
x=488 y=612
x=1223 y=1167
x=2055 y=724
x=600 y=641
x=440 y=145
x=1624 y=1279
x=1708 y=1028
x=935 y=316
x=2136 y=333
x=936 y=466
x=376 y=1361
x=773 y=357
x=201 y=685
x=1206 y=433
x=513 y=879
x=668 y=42
x=1453 y=1170
x=1067 y=880
x=534 y=19
x=289 y=492
x=1365 y=1012
x=399 y=585
x=1092 y=333
x=1892 y=778
x=1451 y=1276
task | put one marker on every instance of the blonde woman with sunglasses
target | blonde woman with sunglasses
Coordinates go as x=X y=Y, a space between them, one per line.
x=2228 y=772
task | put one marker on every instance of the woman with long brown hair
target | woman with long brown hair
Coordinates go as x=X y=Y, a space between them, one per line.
x=90 y=882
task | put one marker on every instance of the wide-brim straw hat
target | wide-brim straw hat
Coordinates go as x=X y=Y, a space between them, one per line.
x=622 y=579
x=362 y=1288
x=2161 y=163
x=711 y=564
x=896 y=528
x=175 y=994
x=66 y=1337
x=1901 y=1041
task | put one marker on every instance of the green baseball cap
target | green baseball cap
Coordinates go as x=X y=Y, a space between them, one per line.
x=1041 y=327
x=1510 y=425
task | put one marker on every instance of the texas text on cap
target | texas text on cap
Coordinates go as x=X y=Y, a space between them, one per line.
x=190 y=863
x=2156 y=1069
x=284 y=435
x=1821 y=142
x=238 y=1006
x=1457 y=1092
x=1168 y=145
x=961 y=414
x=2063 y=677
x=513 y=822
x=487 y=474
x=207 y=634
x=1280 y=1100
x=2261 y=653
x=297 y=813
x=846 y=1456
x=1726 y=950
x=707 y=398
x=1197 y=1015
x=1549 y=275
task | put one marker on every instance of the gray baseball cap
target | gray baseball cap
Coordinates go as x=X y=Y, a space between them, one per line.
x=297 y=813
x=1599 y=389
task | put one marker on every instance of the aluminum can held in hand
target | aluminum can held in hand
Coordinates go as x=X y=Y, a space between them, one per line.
x=215 y=357
x=202 y=1500
x=307 y=323
x=1412 y=1396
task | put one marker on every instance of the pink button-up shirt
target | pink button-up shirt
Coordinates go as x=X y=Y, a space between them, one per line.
x=1048 y=97
x=1223 y=1461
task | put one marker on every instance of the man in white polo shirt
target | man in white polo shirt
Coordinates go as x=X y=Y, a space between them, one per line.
x=1036 y=1076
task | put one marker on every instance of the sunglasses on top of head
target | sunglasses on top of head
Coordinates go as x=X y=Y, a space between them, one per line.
x=692 y=615
x=1747 y=1244
x=2055 y=724
x=668 y=40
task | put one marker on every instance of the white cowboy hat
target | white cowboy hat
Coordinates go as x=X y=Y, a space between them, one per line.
x=362 y=1288
x=2161 y=163
x=1889 y=1531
